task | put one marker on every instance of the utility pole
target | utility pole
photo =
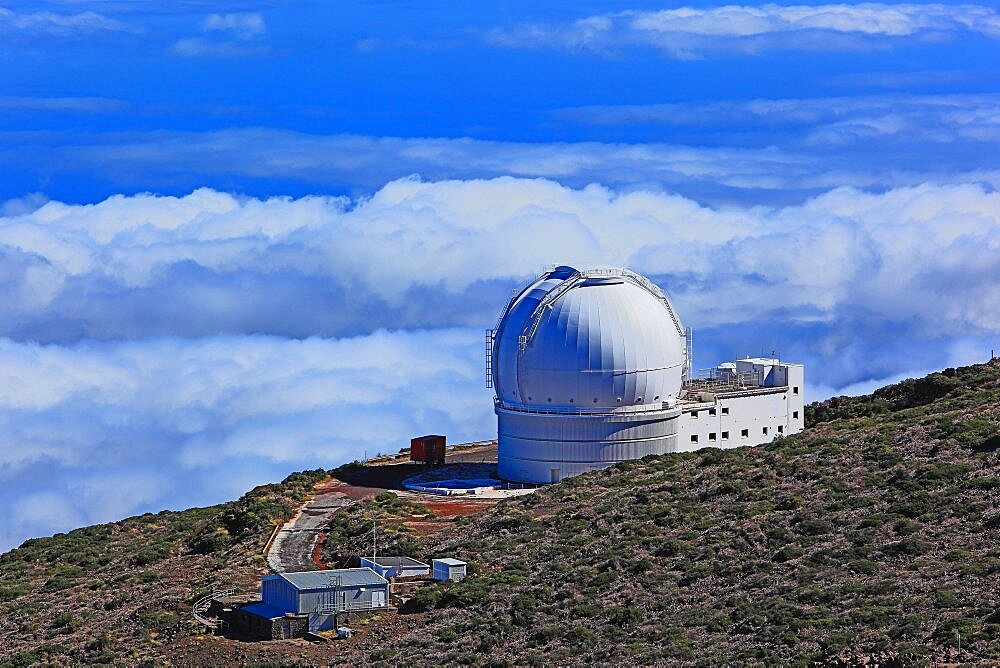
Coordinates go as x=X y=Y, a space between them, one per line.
x=373 y=539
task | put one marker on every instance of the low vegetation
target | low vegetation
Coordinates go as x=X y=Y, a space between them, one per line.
x=875 y=534
x=120 y=592
x=872 y=536
x=257 y=512
x=350 y=534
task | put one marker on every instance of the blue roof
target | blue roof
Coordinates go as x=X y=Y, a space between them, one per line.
x=349 y=577
x=264 y=610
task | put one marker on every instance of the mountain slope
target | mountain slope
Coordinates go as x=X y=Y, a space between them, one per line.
x=874 y=532
x=122 y=592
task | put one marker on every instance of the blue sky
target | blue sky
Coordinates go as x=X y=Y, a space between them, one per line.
x=239 y=239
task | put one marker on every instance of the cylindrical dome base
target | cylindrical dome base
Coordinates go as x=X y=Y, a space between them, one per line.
x=539 y=447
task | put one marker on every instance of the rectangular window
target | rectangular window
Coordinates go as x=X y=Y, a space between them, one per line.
x=765 y=431
x=725 y=436
x=795 y=390
x=694 y=438
x=725 y=410
x=711 y=411
x=781 y=429
x=744 y=433
x=711 y=436
x=795 y=415
x=694 y=413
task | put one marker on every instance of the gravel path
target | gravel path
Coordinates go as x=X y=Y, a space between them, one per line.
x=293 y=547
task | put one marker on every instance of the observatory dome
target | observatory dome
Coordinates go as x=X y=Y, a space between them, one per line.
x=595 y=340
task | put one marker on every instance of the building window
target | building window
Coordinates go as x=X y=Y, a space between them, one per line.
x=795 y=415
x=744 y=433
x=725 y=410
x=765 y=431
x=694 y=438
x=694 y=413
x=781 y=429
x=711 y=436
x=725 y=436
x=711 y=411
x=795 y=390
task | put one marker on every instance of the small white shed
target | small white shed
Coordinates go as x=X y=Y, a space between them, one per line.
x=448 y=569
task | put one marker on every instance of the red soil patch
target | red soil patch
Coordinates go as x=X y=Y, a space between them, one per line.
x=317 y=555
x=457 y=508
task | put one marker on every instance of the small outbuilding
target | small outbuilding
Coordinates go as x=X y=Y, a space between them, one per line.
x=448 y=569
x=428 y=449
x=260 y=621
x=396 y=567
x=322 y=594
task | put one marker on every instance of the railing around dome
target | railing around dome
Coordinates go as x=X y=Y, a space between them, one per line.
x=657 y=292
x=531 y=326
x=658 y=407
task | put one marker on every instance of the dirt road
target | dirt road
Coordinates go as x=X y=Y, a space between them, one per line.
x=293 y=548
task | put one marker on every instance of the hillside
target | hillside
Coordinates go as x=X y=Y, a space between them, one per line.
x=876 y=532
x=122 y=592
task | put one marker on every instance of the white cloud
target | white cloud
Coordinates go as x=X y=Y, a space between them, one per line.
x=420 y=254
x=244 y=26
x=59 y=25
x=173 y=160
x=126 y=427
x=870 y=285
x=78 y=104
x=197 y=47
x=691 y=32
x=824 y=120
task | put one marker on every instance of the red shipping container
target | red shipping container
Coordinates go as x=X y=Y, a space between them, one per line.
x=427 y=449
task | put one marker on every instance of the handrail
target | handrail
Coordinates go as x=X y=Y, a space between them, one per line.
x=659 y=407
x=202 y=605
x=531 y=326
x=328 y=609
x=657 y=292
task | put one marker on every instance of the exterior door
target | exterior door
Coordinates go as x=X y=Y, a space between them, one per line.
x=555 y=475
x=378 y=599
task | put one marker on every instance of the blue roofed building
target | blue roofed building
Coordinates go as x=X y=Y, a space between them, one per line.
x=321 y=594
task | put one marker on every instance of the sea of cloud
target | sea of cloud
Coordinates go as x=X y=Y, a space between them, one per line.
x=173 y=351
x=694 y=32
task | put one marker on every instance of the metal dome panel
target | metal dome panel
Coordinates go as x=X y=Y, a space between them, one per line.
x=588 y=341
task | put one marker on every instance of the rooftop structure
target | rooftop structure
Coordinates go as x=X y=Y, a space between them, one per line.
x=396 y=567
x=592 y=367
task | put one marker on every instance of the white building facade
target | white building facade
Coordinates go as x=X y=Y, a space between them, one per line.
x=746 y=402
x=592 y=367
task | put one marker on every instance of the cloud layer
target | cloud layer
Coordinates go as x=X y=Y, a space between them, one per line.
x=691 y=32
x=770 y=154
x=433 y=254
x=97 y=431
x=198 y=345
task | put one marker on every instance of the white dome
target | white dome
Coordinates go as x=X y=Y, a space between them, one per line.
x=588 y=341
